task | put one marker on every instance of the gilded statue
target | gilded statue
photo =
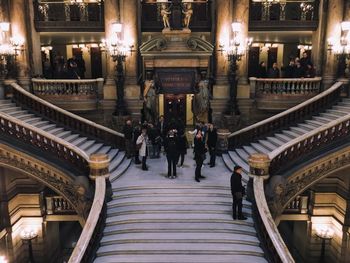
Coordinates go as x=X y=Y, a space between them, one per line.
x=202 y=100
x=188 y=12
x=165 y=13
x=150 y=99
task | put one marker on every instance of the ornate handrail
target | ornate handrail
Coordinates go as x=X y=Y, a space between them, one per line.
x=44 y=141
x=285 y=86
x=71 y=89
x=286 y=118
x=91 y=229
x=268 y=231
x=65 y=118
x=309 y=142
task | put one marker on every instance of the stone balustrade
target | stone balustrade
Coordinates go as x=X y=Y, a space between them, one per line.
x=65 y=118
x=70 y=94
x=299 y=205
x=286 y=118
x=283 y=93
x=58 y=205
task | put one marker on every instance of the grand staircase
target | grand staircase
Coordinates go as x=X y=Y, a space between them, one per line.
x=118 y=161
x=239 y=155
x=154 y=219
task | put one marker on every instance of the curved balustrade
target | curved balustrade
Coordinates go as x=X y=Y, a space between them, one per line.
x=44 y=141
x=287 y=118
x=65 y=118
x=267 y=229
x=284 y=93
x=70 y=94
x=284 y=86
x=309 y=142
x=85 y=249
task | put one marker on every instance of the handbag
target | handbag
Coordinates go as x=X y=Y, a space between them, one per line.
x=238 y=195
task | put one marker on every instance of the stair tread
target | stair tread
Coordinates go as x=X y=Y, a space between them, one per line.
x=283 y=137
x=120 y=170
x=306 y=126
x=267 y=145
x=242 y=153
x=259 y=148
x=78 y=141
x=275 y=141
x=137 y=258
x=291 y=134
x=116 y=161
x=238 y=161
x=94 y=148
x=87 y=144
x=164 y=236
x=299 y=130
x=316 y=124
x=204 y=247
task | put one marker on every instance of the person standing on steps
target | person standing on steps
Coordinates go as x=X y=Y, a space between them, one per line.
x=238 y=191
x=128 y=134
x=182 y=148
x=137 y=132
x=141 y=144
x=172 y=154
x=199 y=154
x=212 y=138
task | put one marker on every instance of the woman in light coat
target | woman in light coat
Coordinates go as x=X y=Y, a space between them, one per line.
x=141 y=143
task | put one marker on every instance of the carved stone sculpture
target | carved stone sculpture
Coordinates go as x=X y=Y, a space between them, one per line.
x=165 y=13
x=150 y=99
x=201 y=100
x=188 y=12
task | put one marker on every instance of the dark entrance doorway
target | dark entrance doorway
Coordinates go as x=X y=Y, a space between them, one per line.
x=96 y=62
x=175 y=107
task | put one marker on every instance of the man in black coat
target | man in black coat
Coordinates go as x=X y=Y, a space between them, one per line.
x=199 y=153
x=172 y=154
x=212 y=138
x=237 y=190
x=128 y=135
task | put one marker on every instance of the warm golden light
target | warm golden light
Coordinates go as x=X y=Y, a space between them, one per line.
x=236 y=27
x=28 y=234
x=4 y=26
x=3 y=259
x=324 y=231
x=117 y=27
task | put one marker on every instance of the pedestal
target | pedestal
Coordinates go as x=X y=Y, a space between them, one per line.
x=232 y=122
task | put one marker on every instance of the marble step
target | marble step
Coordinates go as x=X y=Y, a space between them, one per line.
x=291 y=134
x=267 y=145
x=120 y=171
x=299 y=130
x=180 y=248
x=330 y=116
x=283 y=137
x=322 y=119
x=94 y=148
x=185 y=227
x=345 y=108
x=337 y=112
x=259 y=148
x=306 y=126
x=79 y=141
x=169 y=237
x=116 y=161
x=316 y=124
x=242 y=154
x=238 y=161
x=275 y=141
x=180 y=259
x=87 y=144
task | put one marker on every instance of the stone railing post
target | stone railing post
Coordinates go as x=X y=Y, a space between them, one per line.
x=252 y=82
x=100 y=88
x=99 y=167
x=259 y=165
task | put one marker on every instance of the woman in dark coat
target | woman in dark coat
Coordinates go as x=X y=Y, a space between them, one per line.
x=199 y=153
x=262 y=73
x=182 y=148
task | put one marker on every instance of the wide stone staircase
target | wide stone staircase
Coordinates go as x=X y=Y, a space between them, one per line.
x=118 y=161
x=239 y=155
x=155 y=219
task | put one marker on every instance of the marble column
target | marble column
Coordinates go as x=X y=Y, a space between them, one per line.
x=319 y=50
x=34 y=44
x=241 y=14
x=111 y=15
x=333 y=30
x=19 y=29
x=130 y=22
x=222 y=37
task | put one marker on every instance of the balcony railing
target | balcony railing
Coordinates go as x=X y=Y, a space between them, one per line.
x=286 y=15
x=69 y=16
x=299 y=205
x=58 y=205
x=282 y=94
x=70 y=94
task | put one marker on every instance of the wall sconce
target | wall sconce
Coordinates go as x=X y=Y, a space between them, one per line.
x=325 y=233
x=341 y=47
x=305 y=47
x=3 y=259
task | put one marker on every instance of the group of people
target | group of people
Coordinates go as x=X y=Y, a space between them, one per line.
x=297 y=68
x=73 y=68
x=146 y=139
